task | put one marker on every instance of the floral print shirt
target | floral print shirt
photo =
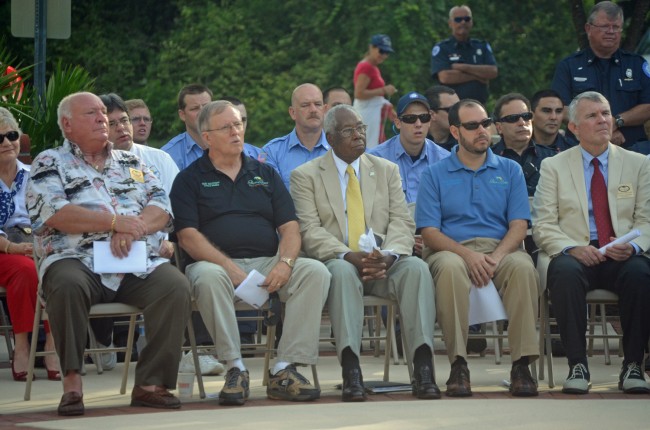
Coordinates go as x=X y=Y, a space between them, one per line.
x=125 y=186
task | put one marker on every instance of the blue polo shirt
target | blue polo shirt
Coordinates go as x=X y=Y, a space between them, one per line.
x=409 y=170
x=624 y=80
x=464 y=204
x=287 y=152
x=183 y=150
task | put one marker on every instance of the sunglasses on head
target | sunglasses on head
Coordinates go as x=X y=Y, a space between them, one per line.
x=473 y=125
x=460 y=19
x=526 y=116
x=412 y=118
x=11 y=135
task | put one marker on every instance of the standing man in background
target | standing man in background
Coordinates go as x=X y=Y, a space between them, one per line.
x=464 y=64
x=140 y=119
x=187 y=146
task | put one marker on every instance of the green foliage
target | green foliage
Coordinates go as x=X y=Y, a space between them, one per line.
x=260 y=50
x=42 y=126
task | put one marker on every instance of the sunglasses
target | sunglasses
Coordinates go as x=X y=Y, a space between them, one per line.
x=526 y=116
x=11 y=135
x=473 y=125
x=460 y=19
x=412 y=118
x=382 y=52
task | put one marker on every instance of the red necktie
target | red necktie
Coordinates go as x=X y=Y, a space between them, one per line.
x=600 y=205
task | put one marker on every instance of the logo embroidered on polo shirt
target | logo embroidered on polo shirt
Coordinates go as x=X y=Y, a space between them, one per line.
x=257 y=182
x=211 y=184
x=498 y=180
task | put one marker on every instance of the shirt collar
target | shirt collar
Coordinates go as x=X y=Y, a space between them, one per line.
x=587 y=157
x=456 y=165
x=341 y=166
x=294 y=141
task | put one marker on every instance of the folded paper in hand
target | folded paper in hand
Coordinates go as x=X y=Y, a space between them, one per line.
x=105 y=262
x=368 y=243
x=629 y=237
x=485 y=305
x=251 y=292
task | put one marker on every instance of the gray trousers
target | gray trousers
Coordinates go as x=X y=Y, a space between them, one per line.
x=304 y=295
x=70 y=289
x=408 y=281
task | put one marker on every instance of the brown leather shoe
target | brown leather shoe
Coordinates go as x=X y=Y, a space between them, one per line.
x=458 y=383
x=522 y=383
x=72 y=403
x=161 y=398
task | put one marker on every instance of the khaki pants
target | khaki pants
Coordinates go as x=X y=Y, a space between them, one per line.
x=517 y=281
x=304 y=295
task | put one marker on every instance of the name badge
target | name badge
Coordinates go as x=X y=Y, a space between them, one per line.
x=624 y=191
x=137 y=175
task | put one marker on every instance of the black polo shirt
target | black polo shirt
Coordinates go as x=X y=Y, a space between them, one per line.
x=530 y=160
x=239 y=217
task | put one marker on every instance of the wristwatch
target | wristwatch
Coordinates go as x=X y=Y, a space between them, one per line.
x=290 y=261
x=620 y=122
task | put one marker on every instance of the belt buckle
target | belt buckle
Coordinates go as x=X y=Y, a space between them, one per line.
x=26 y=230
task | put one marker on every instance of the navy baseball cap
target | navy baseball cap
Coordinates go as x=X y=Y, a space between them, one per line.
x=409 y=98
x=382 y=42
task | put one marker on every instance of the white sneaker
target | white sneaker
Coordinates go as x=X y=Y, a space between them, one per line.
x=209 y=365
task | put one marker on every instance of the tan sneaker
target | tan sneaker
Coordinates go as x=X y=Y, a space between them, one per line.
x=288 y=384
x=236 y=389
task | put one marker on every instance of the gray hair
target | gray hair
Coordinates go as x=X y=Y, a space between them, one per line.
x=331 y=123
x=208 y=111
x=7 y=120
x=455 y=8
x=65 y=108
x=612 y=10
x=587 y=95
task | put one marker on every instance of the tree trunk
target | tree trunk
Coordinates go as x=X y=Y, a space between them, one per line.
x=579 y=18
x=635 y=29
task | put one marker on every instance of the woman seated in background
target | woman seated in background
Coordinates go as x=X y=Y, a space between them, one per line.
x=17 y=270
x=370 y=89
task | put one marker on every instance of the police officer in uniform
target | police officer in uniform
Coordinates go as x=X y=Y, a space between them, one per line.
x=464 y=64
x=622 y=77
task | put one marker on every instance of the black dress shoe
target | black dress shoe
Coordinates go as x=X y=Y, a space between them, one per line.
x=424 y=386
x=353 y=390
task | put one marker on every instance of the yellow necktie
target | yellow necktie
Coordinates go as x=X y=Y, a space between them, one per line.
x=354 y=202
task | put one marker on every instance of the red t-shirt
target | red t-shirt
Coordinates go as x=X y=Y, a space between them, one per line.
x=365 y=68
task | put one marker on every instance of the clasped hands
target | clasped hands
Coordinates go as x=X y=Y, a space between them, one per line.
x=371 y=266
x=128 y=228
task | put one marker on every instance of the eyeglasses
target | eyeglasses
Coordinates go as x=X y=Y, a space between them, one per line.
x=412 y=118
x=526 y=116
x=145 y=119
x=459 y=19
x=122 y=121
x=473 y=125
x=608 y=28
x=238 y=126
x=347 y=132
x=11 y=135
